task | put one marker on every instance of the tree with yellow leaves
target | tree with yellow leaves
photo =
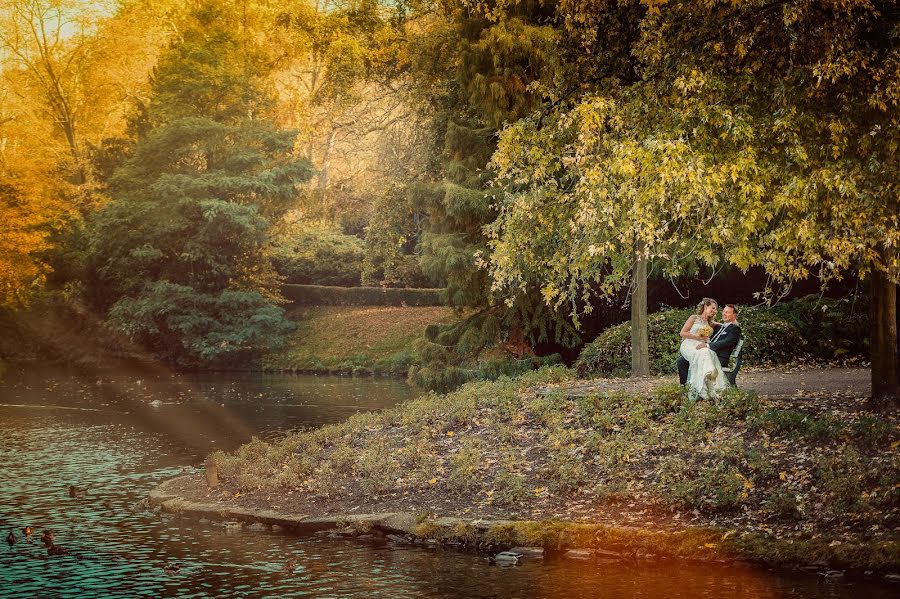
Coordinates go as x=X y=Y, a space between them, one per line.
x=759 y=133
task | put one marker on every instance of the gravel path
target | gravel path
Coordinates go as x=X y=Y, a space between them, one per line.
x=782 y=383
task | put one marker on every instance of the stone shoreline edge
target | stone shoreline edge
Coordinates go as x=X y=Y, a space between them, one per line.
x=396 y=522
x=603 y=543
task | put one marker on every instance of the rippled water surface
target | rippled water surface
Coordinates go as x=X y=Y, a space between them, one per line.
x=119 y=435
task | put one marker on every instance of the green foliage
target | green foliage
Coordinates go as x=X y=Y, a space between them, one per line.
x=725 y=485
x=782 y=503
x=319 y=295
x=466 y=464
x=498 y=60
x=788 y=422
x=378 y=469
x=317 y=254
x=719 y=487
x=806 y=329
x=565 y=469
x=843 y=478
x=191 y=207
x=509 y=487
x=391 y=238
x=870 y=431
x=191 y=329
x=452 y=354
x=697 y=139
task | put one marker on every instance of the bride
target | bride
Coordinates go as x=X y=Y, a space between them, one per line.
x=705 y=376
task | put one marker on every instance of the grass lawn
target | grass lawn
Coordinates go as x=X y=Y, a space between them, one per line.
x=354 y=339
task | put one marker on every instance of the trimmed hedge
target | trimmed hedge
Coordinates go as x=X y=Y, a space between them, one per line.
x=810 y=329
x=322 y=295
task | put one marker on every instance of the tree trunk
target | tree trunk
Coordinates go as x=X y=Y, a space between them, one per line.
x=326 y=163
x=883 y=341
x=640 y=350
x=79 y=177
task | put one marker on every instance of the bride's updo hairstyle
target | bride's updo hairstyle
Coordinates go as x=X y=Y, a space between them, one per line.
x=706 y=301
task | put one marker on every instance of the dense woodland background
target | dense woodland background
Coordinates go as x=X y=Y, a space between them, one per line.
x=167 y=166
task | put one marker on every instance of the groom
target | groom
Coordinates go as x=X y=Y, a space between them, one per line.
x=723 y=341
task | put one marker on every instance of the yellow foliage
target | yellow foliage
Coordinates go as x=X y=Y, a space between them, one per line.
x=24 y=228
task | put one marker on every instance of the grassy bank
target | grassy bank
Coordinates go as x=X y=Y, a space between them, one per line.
x=354 y=339
x=778 y=483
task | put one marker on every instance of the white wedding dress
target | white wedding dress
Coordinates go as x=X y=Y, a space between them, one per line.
x=705 y=376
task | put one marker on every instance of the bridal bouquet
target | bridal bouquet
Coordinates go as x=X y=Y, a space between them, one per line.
x=705 y=331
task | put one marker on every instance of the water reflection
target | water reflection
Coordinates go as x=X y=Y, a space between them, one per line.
x=196 y=411
x=118 y=436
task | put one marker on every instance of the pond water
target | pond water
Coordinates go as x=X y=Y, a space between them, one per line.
x=118 y=435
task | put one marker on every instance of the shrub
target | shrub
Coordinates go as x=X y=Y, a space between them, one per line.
x=318 y=254
x=806 y=329
x=472 y=349
x=782 y=503
x=183 y=326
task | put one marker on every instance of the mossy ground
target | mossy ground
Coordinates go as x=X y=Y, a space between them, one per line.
x=354 y=339
x=763 y=479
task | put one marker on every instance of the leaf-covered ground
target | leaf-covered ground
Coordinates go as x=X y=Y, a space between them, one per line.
x=354 y=339
x=797 y=470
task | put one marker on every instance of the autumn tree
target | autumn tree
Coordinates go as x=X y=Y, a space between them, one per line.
x=70 y=73
x=50 y=43
x=177 y=255
x=598 y=193
x=336 y=59
x=30 y=202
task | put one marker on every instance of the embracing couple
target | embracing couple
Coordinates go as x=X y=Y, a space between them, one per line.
x=706 y=345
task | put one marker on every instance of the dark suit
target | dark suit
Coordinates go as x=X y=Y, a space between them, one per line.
x=722 y=345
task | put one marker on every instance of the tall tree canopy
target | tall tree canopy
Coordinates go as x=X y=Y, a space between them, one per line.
x=70 y=72
x=177 y=254
x=757 y=133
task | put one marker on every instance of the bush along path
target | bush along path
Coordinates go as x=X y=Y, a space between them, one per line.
x=737 y=478
x=809 y=330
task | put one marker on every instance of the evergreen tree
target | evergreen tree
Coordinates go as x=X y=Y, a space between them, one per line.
x=497 y=59
x=177 y=255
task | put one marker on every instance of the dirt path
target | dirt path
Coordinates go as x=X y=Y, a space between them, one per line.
x=777 y=384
